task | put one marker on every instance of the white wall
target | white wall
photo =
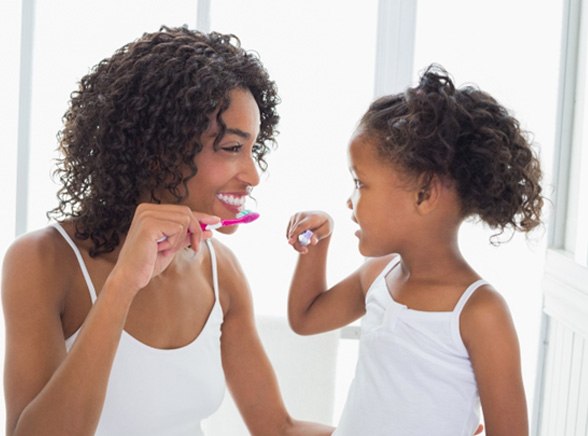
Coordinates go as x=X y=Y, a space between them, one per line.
x=9 y=47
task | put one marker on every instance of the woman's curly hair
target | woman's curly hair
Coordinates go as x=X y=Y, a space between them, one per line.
x=133 y=126
x=464 y=135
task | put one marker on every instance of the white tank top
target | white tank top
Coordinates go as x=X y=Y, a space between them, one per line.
x=161 y=392
x=413 y=376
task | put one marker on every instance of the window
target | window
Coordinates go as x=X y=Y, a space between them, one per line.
x=562 y=382
x=575 y=106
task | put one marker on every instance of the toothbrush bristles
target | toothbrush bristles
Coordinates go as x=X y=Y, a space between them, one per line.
x=243 y=213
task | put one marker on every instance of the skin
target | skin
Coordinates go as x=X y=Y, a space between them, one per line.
x=421 y=226
x=160 y=293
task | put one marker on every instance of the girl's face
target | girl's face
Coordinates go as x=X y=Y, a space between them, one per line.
x=227 y=172
x=383 y=204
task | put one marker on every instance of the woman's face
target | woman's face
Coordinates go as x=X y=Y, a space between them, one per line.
x=228 y=171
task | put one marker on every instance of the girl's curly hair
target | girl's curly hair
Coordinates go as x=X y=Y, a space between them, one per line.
x=464 y=135
x=134 y=124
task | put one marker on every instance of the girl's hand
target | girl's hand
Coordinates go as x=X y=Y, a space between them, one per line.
x=318 y=222
x=157 y=232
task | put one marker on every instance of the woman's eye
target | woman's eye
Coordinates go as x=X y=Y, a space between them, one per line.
x=233 y=148
x=357 y=183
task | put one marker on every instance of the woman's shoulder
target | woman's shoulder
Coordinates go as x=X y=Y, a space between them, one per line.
x=227 y=261
x=38 y=245
x=232 y=282
x=39 y=259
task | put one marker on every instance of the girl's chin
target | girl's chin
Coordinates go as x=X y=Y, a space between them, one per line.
x=364 y=252
x=363 y=249
x=368 y=250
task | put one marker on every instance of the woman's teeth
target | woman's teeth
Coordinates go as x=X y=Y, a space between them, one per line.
x=233 y=200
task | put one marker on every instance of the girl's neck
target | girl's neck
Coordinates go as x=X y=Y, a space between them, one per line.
x=435 y=259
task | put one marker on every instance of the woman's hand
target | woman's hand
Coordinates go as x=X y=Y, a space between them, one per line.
x=318 y=222
x=157 y=232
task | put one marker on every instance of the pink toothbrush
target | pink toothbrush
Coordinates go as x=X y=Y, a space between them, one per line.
x=243 y=217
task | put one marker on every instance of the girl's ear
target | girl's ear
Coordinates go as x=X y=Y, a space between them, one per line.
x=427 y=196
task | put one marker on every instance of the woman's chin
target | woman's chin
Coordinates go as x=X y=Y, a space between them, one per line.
x=228 y=230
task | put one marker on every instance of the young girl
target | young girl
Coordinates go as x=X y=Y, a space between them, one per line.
x=436 y=339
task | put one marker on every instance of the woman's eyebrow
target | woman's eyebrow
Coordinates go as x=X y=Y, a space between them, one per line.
x=238 y=132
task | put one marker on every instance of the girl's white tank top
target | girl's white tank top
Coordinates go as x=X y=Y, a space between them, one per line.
x=414 y=376
x=161 y=392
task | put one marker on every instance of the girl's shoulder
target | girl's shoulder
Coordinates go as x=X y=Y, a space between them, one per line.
x=485 y=301
x=485 y=314
x=373 y=267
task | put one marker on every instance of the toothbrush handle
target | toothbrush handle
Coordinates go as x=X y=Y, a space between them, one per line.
x=220 y=224
x=249 y=217
x=203 y=227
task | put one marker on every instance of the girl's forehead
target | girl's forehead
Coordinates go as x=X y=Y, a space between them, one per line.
x=364 y=158
x=362 y=150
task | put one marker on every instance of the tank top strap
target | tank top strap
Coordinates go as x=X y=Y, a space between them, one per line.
x=389 y=267
x=81 y=262
x=467 y=294
x=213 y=263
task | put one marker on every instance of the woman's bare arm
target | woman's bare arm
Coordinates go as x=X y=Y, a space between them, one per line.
x=248 y=371
x=47 y=390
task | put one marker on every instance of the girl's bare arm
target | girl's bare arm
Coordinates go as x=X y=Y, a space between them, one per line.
x=312 y=306
x=490 y=337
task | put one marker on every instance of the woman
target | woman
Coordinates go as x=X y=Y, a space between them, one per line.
x=124 y=316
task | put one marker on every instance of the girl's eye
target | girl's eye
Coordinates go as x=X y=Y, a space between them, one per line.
x=233 y=148
x=357 y=183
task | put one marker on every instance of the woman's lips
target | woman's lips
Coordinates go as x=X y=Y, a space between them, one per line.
x=233 y=201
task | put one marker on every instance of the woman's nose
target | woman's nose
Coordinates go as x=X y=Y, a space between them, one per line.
x=250 y=172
